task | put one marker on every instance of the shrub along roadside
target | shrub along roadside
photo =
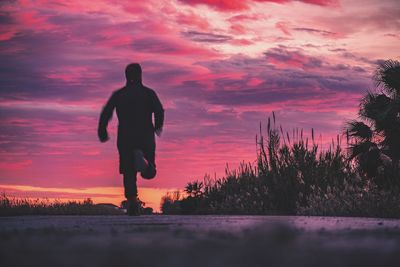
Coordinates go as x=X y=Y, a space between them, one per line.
x=15 y=206
x=293 y=176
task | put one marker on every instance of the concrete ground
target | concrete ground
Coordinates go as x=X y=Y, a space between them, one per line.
x=159 y=240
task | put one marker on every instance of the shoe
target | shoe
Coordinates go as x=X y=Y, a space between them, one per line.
x=133 y=208
x=149 y=173
x=141 y=163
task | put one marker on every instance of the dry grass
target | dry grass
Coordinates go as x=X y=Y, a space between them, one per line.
x=293 y=175
x=11 y=206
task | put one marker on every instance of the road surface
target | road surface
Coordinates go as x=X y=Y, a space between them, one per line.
x=158 y=240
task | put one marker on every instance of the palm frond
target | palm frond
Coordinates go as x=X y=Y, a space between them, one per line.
x=370 y=161
x=374 y=107
x=361 y=148
x=388 y=76
x=359 y=130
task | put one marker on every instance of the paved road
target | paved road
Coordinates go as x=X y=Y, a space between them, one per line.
x=198 y=241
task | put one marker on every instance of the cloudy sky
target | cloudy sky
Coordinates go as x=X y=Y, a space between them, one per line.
x=220 y=67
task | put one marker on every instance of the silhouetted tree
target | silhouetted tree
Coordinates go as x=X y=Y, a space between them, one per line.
x=376 y=137
x=194 y=189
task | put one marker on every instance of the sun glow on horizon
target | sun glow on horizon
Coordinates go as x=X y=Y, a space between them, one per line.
x=114 y=195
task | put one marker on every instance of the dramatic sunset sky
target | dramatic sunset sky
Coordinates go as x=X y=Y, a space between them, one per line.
x=219 y=67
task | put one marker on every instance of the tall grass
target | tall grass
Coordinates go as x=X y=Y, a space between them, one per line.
x=15 y=206
x=293 y=175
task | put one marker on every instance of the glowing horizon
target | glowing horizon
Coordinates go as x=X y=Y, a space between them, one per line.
x=113 y=195
x=219 y=67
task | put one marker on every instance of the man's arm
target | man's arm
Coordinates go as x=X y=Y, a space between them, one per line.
x=158 y=114
x=105 y=117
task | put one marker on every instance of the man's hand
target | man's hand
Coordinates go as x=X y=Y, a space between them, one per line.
x=103 y=135
x=158 y=132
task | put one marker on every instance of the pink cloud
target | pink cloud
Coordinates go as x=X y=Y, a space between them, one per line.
x=73 y=73
x=6 y=34
x=240 y=42
x=33 y=20
x=284 y=27
x=324 y=33
x=226 y=5
x=287 y=59
x=192 y=19
x=168 y=46
x=238 y=29
x=322 y=2
x=312 y=2
x=223 y=5
x=15 y=165
x=246 y=17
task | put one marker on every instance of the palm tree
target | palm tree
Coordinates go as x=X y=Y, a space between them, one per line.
x=376 y=138
x=194 y=189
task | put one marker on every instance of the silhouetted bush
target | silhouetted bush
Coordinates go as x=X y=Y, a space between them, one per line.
x=15 y=206
x=292 y=176
x=170 y=203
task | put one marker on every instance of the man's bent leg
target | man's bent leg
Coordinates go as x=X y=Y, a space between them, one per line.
x=149 y=154
x=140 y=162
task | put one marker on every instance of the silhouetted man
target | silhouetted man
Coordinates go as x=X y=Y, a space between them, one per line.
x=135 y=105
